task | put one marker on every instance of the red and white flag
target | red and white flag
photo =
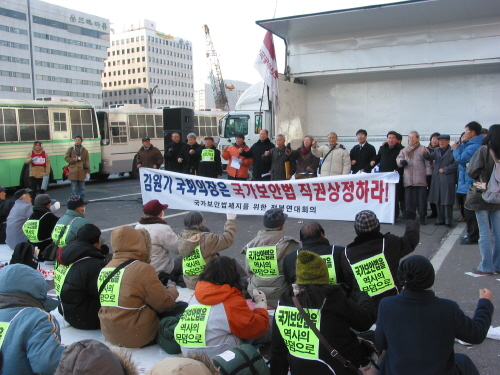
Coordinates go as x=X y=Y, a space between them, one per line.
x=266 y=66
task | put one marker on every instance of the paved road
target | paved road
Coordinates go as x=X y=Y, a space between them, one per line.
x=117 y=201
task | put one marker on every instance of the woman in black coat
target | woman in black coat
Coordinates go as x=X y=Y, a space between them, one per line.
x=418 y=329
x=297 y=347
x=78 y=289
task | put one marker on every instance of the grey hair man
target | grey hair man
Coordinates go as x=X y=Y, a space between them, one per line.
x=336 y=159
x=276 y=158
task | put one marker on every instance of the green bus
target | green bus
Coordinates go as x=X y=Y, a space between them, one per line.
x=54 y=122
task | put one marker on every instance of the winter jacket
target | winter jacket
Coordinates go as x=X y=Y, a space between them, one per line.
x=150 y=157
x=418 y=332
x=77 y=221
x=38 y=170
x=94 y=357
x=189 y=160
x=208 y=168
x=272 y=287
x=337 y=316
x=230 y=319
x=233 y=151
x=320 y=246
x=338 y=161
x=179 y=366
x=79 y=296
x=210 y=244
x=462 y=155
x=387 y=157
x=163 y=241
x=442 y=189
x=19 y=213
x=481 y=165
x=277 y=158
x=134 y=322
x=363 y=156
x=303 y=163
x=77 y=170
x=368 y=245
x=32 y=344
x=417 y=169
x=256 y=152
x=171 y=163
x=47 y=222
x=5 y=207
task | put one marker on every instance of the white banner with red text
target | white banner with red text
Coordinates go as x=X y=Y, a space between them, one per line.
x=321 y=198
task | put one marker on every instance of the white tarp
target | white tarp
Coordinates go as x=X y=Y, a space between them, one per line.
x=322 y=198
x=252 y=98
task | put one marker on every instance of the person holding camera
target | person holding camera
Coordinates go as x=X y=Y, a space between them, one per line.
x=79 y=167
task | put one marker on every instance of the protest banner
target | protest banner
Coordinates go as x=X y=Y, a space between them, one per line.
x=321 y=198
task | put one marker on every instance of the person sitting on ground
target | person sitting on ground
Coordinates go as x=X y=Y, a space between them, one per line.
x=312 y=236
x=194 y=363
x=296 y=347
x=198 y=246
x=220 y=312
x=370 y=263
x=265 y=254
x=31 y=335
x=75 y=278
x=39 y=226
x=5 y=207
x=432 y=323
x=134 y=296
x=94 y=357
x=163 y=241
x=71 y=222
x=18 y=215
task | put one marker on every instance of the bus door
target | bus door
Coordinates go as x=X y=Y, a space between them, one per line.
x=102 y=120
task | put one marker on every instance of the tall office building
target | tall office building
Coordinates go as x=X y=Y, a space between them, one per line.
x=147 y=67
x=48 y=50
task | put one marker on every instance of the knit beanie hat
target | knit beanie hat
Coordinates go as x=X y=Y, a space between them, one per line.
x=274 y=218
x=366 y=221
x=311 y=269
x=416 y=273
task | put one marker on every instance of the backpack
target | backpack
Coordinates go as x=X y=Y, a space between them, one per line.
x=492 y=192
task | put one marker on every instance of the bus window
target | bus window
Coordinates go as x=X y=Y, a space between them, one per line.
x=8 y=125
x=150 y=122
x=60 y=122
x=34 y=124
x=119 y=132
x=236 y=125
x=81 y=123
x=159 y=126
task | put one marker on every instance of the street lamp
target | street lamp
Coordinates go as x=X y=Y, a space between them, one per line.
x=150 y=92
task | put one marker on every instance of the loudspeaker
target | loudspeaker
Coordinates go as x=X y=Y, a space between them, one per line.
x=178 y=120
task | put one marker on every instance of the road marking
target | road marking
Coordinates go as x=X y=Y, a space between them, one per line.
x=438 y=259
x=118 y=196
x=134 y=224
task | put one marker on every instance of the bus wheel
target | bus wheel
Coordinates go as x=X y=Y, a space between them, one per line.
x=99 y=176
x=25 y=177
x=135 y=171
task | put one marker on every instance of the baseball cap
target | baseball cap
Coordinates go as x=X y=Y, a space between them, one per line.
x=146 y=138
x=154 y=207
x=18 y=194
x=2 y=188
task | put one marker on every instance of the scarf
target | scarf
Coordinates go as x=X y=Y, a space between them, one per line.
x=148 y=219
x=413 y=148
x=78 y=149
x=305 y=150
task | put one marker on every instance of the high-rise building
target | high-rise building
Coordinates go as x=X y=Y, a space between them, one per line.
x=147 y=67
x=48 y=50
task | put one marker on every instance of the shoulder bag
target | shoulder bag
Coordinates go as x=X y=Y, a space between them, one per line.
x=492 y=192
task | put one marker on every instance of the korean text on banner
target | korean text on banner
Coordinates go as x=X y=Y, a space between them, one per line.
x=321 y=198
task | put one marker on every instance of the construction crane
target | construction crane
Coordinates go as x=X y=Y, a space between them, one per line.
x=216 y=80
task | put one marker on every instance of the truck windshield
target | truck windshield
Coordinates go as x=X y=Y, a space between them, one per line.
x=236 y=125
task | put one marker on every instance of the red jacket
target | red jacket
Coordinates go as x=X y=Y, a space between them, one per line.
x=233 y=150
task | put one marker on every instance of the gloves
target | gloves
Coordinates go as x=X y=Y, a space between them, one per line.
x=231 y=215
x=55 y=207
x=369 y=369
x=260 y=299
x=404 y=163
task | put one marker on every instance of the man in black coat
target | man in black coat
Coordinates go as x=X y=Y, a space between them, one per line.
x=186 y=156
x=386 y=156
x=5 y=207
x=208 y=161
x=362 y=154
x=172 y=152
x=418 y=329
x=312 y=236
x=258 y=149
x=39 y=226
x=75 y=278
x=370 y=263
